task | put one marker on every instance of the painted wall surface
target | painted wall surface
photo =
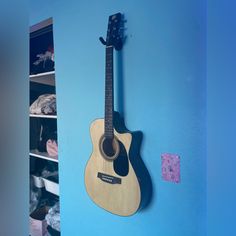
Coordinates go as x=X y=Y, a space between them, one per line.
x=221 y=126
x=164 y=92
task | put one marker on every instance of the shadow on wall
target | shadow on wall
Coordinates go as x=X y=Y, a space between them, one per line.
x=137 y=137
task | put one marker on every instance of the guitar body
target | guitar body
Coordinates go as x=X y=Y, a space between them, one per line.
x=112 y=184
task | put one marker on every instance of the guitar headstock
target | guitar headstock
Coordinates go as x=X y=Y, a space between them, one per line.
x=114 y=32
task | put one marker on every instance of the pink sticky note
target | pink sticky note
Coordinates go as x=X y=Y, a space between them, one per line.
x=170 y=165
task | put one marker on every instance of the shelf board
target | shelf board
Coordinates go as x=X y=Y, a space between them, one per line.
x=43 y=116
x=47 y=78
x=42 y=155
x=41 y=25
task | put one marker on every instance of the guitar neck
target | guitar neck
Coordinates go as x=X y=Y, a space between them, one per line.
x=109 y=94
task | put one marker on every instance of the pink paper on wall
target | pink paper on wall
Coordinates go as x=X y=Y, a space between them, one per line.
x=170 y=164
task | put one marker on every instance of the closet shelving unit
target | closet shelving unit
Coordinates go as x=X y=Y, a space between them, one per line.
x=47 y=78
x=41 y=83
x=44 y=116
x=42 y=155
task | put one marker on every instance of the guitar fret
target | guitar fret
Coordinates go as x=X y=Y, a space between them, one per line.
x=109 y=131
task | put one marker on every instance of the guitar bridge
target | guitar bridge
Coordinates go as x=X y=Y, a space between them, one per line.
x=109 y=178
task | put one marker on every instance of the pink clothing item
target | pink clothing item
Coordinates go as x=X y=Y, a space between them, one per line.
x=52 y=148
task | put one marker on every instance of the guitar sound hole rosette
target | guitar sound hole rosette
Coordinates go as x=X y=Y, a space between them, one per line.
x=115 y=147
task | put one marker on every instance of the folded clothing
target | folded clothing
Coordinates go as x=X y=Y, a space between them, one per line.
x=53 y=217
x=52 y=148
x=44 y=104
x=51 y=175
x=52 y=232
x=47 y=131
x=54 y=178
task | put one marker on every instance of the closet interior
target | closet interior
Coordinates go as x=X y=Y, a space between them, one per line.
x=44 y=210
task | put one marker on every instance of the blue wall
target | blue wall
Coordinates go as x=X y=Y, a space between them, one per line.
x=221 y=103
x=164 y=91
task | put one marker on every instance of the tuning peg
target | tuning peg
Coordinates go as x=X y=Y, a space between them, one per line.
x=102 y=40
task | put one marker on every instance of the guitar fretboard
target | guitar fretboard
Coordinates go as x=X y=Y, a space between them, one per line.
x=109 y=104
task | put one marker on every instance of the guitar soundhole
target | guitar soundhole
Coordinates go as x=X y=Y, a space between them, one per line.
x=121 y=163
x=114 y=150
x=108 y=147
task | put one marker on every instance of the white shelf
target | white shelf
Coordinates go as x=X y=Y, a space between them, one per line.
x=42 y=155
x=47 y=78
x=43 y=116
x=41 y=25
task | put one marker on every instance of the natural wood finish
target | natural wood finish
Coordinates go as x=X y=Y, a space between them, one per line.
x=121 y=199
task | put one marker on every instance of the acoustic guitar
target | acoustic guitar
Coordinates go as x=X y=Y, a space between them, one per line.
x=110 y=178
